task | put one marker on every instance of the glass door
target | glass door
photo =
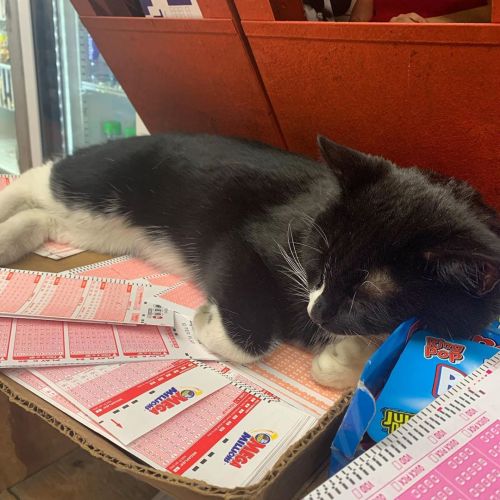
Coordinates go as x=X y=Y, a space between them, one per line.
x=8 y=140
x=81 y=103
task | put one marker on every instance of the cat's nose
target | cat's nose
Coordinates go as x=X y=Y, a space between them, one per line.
x=321 y=312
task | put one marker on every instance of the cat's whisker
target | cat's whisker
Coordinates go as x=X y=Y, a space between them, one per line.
x=293 y=250
x=296 y=273
x=367 y=282
x=317 y=227
x=353 y=299
x=308 y=246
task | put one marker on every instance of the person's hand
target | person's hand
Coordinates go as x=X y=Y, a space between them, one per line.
x=412 y=17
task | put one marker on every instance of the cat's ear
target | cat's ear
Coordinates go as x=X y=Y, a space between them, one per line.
x=477 y=273
x=351 y=167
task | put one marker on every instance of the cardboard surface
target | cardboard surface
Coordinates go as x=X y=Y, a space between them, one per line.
x=27 y=444
x=287 y=479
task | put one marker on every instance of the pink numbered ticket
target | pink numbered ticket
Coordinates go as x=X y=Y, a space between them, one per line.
x=196 y=442
x=37 y=343
x=131 y=399
x=125 y=267
x=451 y=449
x=50 y=296
x=286 y=372
x=57 y=251
x=176 y=294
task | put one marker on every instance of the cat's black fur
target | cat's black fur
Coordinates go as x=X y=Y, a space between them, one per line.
x=389 y=243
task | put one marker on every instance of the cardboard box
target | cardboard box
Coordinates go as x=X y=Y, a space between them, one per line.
x=289 y=478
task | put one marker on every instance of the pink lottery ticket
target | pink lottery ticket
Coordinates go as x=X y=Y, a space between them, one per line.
x=50 y=296
x=286 y=372
x=36 y=385
x=125 y=267
x=128 y=268
x=37 y=343
x=177 y=295
x=184 y=299
x=197 y=442
x=57 y=251
x=230 y=439
x=131 y=399
x=451 y=449
x=6 y=180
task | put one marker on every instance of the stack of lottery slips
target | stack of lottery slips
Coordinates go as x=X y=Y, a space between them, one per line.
x=51 y=319
x=205 y=426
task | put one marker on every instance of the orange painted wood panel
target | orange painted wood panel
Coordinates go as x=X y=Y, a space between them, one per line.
x=417 y=94
x=187 y=75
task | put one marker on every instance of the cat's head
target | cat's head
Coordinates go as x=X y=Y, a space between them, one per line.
x=401 y=243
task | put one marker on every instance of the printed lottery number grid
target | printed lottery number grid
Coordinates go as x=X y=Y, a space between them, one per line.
x=471 y=472
x=294 y=364
x=34 y=382
x=48 y=342
x=128 y=269
x=16 y=289
x=63 y=301
x=113 y=304
x=141 y=340
x=5 y=329
x=165 y=443
x=85 y=340
x=166 y=280
x=85 y=383
x=186 y=295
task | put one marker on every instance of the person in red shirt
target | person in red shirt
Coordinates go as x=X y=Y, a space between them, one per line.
x=422 y=11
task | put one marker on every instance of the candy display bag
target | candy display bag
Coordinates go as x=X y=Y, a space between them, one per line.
x=404 y=375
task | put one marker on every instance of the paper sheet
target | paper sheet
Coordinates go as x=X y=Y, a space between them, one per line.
x=195 y=442
x=286 y=372
x=131 y=399
x=451 y=449
x=184 y=9
x=176 y=294
x=57 y=251
x=37 y=343
x=28 y=294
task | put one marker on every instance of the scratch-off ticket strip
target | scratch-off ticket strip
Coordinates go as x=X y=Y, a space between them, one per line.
x=29 y=294
x=451 y=449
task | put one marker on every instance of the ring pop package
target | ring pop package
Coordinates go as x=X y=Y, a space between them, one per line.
x=428 y=367
x=411 y=368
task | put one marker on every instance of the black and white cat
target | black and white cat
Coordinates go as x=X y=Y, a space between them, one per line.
x=326 y=254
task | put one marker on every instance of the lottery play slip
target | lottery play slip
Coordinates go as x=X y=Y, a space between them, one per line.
x=112 y=345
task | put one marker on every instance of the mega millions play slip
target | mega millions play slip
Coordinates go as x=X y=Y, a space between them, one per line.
x=230 y=438
x=37 y=343
x=31 y=294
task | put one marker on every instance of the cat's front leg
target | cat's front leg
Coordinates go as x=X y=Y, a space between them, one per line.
x=212 y=333
x=241 y=318
x=340 y=364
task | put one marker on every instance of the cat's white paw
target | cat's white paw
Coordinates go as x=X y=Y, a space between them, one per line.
x=210 y=331
x=339 y=365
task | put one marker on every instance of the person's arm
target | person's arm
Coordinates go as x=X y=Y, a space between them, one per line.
x=362 y=11
x=477 y=15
